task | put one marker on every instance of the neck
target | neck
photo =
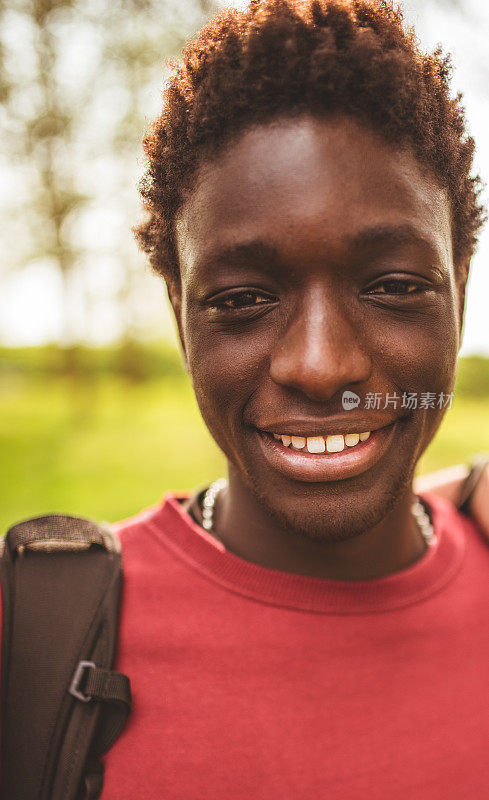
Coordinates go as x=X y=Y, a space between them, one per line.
x=248 y=530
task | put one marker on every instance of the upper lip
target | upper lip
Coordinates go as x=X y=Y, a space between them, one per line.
x=300 y=426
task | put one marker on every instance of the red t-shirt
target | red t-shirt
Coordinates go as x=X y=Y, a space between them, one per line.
x=253 y=683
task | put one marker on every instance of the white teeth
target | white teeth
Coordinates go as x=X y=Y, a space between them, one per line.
x=315 y=444
x=335 y=444
x=319 y=444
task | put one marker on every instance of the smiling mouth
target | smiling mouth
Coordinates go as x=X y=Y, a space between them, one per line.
x=328 y=457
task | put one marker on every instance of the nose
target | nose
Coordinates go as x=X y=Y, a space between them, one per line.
x=320 y=351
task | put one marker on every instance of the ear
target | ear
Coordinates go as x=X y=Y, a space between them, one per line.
x=462 y=274
x=174 y=289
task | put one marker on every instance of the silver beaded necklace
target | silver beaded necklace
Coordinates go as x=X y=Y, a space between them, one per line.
x=417 y=509
x=209 y=501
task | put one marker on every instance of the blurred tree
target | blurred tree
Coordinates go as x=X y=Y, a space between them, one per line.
x=75 y=77
x=78 y=80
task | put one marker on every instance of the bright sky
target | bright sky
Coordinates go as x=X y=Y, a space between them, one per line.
x=466 y=38
x=30 y=300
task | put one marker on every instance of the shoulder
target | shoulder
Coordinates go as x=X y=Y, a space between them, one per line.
x=447 y=517
x=165 y=511
x=160 y=526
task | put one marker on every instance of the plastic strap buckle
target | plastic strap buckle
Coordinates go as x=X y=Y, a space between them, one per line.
x=77 y=677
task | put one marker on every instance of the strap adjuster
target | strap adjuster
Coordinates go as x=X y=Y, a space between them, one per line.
x=75 y=682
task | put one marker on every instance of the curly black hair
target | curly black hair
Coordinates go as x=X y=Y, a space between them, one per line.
x=281 y=58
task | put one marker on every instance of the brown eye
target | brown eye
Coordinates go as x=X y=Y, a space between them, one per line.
x=395 y=287
x=244 y=300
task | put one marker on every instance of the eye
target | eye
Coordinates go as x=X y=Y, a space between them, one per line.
x=395 y=286
x=244 y=299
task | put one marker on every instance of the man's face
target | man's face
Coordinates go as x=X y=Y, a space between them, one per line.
x=316 y=259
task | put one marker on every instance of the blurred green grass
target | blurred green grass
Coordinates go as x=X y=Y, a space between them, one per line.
x=103 y=444
x=104 y=449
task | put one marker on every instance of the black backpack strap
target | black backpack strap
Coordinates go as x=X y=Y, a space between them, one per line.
x=62 y=705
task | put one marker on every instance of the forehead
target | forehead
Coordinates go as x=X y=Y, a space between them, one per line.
x=305 y=185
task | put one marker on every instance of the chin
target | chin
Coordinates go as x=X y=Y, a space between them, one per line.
x=326 y=517
x=338 y=526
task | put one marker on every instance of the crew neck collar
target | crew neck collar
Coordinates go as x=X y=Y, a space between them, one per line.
x=176 y=529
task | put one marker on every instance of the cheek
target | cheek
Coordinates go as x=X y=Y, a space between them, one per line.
x=224 y=367
x=421 y=356
x=225 y=371
x=422 y=351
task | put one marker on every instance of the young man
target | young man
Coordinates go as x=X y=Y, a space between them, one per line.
x=307 y=630
x=302 y=633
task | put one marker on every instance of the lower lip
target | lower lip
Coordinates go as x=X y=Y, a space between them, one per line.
x=314 y=468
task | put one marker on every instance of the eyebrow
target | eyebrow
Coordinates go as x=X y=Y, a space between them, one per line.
x=391 y=235
x=240 y=255
x=259 y=250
